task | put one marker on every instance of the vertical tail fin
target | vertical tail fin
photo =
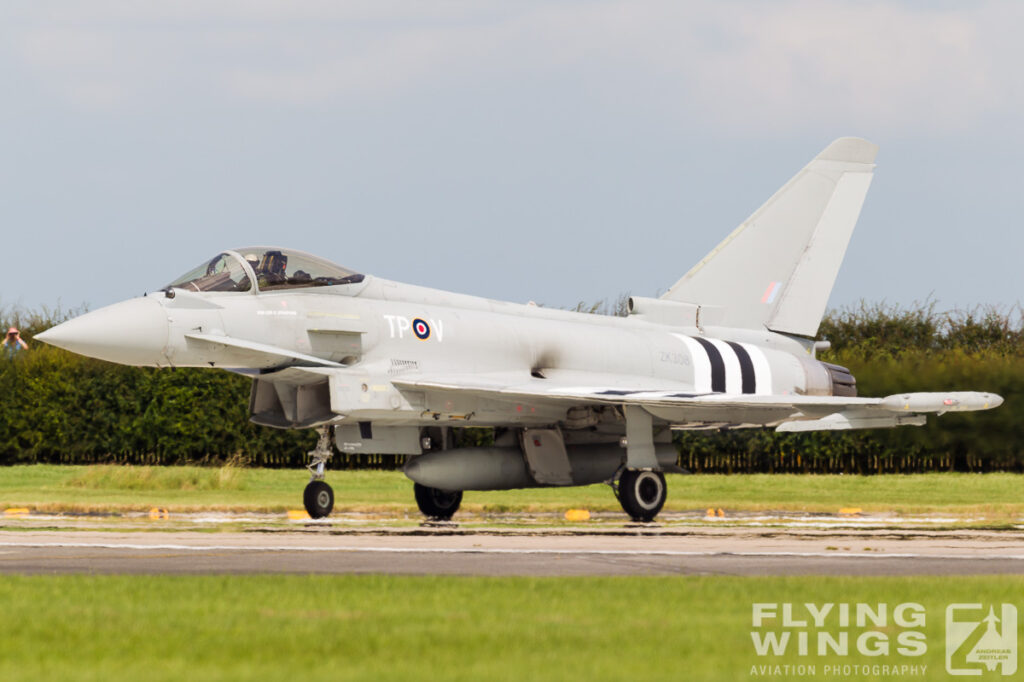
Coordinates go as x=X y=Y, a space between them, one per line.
x=777 y=269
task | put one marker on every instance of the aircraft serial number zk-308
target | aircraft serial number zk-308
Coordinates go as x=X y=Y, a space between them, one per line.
x=573 y=398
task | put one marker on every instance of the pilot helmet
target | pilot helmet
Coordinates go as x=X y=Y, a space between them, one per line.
x=275 y=262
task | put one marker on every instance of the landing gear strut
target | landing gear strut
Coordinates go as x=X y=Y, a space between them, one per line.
x=642 y=493
x=437 y=504
x=318 y=497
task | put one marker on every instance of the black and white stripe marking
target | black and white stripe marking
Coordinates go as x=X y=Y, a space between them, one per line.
x=717 y=365
x=728 y=366
x=748 y=375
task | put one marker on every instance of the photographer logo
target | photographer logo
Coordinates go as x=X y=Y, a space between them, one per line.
x=980 y=640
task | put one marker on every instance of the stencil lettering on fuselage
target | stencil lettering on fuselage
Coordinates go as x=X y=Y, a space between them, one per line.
x=417 y=328
x=728 y=366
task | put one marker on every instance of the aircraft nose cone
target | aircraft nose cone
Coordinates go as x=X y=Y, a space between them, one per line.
x=132 y=332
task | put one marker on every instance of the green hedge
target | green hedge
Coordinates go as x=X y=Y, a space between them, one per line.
x=60 y=407
x=896 y=350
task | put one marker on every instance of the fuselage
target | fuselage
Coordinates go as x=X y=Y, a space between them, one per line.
x=369 y=334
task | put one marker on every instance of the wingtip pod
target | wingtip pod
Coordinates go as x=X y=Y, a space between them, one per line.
x=955 y=401
x=849 y=150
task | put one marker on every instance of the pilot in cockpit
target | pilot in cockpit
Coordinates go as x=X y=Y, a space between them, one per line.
x=272 y=270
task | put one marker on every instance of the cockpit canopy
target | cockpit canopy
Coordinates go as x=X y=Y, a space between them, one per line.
x=271 y=268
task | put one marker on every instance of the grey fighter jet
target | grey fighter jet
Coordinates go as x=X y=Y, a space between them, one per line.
x=572 y=398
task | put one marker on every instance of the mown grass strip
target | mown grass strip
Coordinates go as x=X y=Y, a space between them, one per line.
x=180 y=488
x=402 y=628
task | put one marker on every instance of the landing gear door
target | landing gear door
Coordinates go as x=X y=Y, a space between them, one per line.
x=367 y=438
x=546 y=456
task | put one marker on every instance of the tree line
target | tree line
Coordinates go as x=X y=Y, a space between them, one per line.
x=61 y=407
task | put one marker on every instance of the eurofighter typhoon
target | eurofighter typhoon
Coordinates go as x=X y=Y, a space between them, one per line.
x=573 y=398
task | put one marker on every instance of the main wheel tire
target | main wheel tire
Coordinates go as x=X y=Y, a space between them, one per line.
x=435 y=503
x=642 y=494
x=319 y=499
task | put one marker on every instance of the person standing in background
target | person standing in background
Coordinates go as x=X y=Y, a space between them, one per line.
x=13 y=343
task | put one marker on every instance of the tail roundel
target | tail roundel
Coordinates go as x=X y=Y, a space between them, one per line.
x=777 y=269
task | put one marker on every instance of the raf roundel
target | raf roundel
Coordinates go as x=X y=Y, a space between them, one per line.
x=421 y=329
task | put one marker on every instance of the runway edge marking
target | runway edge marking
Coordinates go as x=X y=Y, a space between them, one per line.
x=477 y=550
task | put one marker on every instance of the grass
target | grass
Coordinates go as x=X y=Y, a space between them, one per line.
x=84 y=488
x=151 y=479
x=401 y=628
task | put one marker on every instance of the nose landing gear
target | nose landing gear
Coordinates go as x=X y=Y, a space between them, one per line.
x=318 y=497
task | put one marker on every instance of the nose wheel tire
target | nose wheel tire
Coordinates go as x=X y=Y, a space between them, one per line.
x=319 y=499
x=435 y=503
x=642 y=494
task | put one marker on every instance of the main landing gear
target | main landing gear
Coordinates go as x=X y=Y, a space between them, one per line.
x=641 y=493
x=435 y=503
x=318 y=497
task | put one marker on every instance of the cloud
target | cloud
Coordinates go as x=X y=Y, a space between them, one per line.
x=881 y=64
x=728 y=65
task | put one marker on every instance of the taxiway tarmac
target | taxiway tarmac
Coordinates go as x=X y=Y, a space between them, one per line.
x=543 y=552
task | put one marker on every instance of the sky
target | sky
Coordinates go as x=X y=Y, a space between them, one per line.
x=556 y=151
